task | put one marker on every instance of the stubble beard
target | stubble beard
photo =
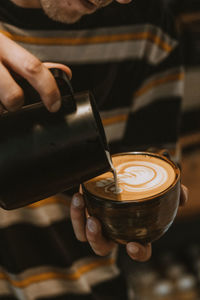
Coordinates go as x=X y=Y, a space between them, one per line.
x=63 y=10
x=55 y=11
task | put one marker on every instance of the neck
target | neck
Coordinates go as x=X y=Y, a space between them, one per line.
x=27 y=4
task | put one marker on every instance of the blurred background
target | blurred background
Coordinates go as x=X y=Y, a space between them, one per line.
x=174 y=269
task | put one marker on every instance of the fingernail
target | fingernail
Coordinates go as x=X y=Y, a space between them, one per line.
x=77 y=202
x=92 y=226
x=55 y=107
x=133 y=249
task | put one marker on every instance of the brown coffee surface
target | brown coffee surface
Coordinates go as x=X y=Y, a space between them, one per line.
x=139 y=177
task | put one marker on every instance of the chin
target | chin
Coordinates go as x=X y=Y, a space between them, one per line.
x=63 y=18
x=67 y=11
x=60 y=11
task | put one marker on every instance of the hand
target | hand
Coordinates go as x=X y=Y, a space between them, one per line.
x=14 y=57
x=89 y=229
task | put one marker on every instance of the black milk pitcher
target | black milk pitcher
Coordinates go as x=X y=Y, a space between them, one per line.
x=43 y=153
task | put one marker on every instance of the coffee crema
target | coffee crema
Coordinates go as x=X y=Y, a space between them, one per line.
x=139 y=176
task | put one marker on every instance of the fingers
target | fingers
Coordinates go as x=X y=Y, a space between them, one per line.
x=66 y=69
x=89 y=230
x=16 y=58
x=100 y=245
x=184 y=195
x=77 y=212
x=11 y=95
x=139 y=252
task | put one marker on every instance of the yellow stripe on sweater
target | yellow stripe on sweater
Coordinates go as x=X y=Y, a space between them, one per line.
x=90 y=40
x=58 y=275
x=160 y=81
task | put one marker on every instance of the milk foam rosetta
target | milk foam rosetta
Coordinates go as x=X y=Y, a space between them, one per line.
x=139 y=177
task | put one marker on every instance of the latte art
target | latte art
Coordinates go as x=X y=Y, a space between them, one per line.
x=139 y=176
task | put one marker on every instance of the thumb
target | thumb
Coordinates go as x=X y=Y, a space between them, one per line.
x=66 y=69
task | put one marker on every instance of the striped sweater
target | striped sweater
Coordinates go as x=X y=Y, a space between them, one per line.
x=128 y=56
